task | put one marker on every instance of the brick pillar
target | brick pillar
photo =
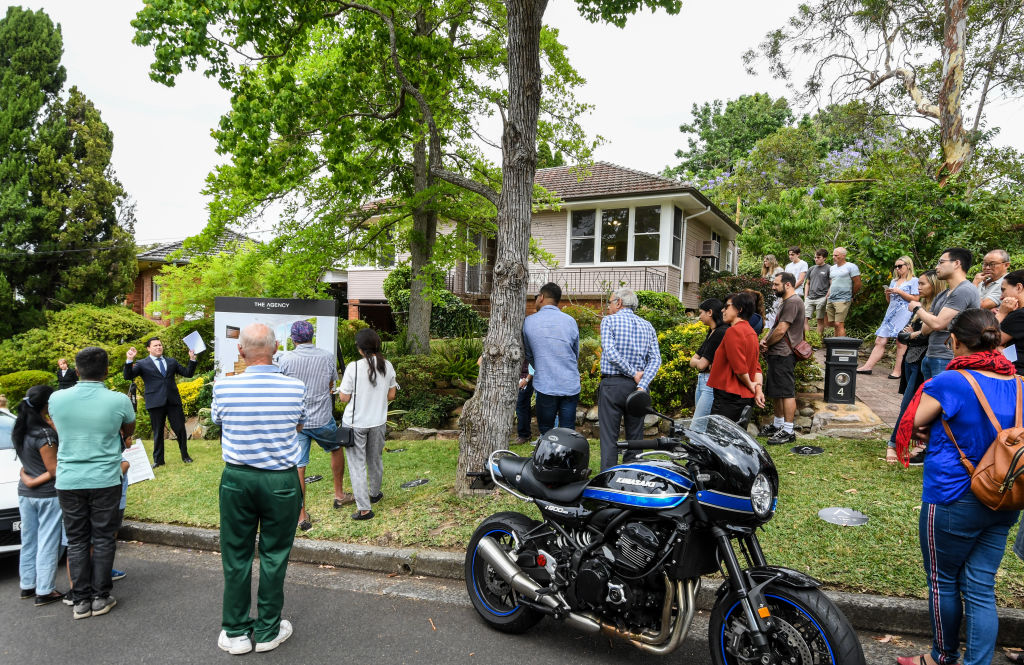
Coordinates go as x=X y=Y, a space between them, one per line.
x=353 y=310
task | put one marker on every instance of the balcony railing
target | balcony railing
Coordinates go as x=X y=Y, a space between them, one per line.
x=598 y=281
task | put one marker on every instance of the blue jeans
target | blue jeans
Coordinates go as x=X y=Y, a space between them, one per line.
x=704 y=396
x=551 y=406
x=962 y=545
x=324 y=436
x=931 y=367
x=523 y=416
x=914 y=380
x=40 y=542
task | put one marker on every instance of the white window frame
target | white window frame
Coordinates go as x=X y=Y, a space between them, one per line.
x=664 y=234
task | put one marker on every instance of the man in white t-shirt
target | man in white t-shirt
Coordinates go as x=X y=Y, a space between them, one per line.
x=844 y=284
x=796 y=267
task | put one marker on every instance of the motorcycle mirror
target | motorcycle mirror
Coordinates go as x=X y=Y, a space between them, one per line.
x=639 y=403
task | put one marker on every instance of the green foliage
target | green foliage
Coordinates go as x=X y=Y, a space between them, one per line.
x=459 y=358
x=66 y=224
x=69 y=331
x=807 y=373
x=175 y=348
x=662 y=310
x=347 y=330
x=589 y=363
x=674 y=386
x=722 y=287
x=16 y=384
x=723 y=134
x=418 y=376
x=449 y=316
x=587 y=320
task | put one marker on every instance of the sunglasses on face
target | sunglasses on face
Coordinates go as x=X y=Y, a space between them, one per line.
x=992 y=264
x=900 y=265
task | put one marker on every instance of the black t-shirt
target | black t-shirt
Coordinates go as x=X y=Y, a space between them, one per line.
x=1013 y=325
x=711 y=343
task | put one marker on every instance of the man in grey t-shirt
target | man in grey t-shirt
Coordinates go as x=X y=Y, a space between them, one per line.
x=815 y=289
x=961 y=294
x=989 y=280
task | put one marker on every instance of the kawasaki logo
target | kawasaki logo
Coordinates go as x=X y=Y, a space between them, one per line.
x=640 y=483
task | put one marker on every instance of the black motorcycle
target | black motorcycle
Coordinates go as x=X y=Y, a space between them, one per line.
x=624 y=552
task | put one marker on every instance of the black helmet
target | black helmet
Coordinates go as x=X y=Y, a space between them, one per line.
x=562 y=456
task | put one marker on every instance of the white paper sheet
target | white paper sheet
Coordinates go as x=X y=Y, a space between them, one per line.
x=140 y=468
x=194 y=342
x=1011 y=353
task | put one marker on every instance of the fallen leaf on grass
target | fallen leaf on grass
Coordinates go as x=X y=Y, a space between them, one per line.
x=850 y=491
x=326 y=565
x=884 y=639
x=432 y=626
x=392 y=574
x=792 y=473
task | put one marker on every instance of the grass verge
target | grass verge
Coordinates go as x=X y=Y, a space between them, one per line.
x=881 y=557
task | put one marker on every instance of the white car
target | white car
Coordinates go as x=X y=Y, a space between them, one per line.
x=10 y=472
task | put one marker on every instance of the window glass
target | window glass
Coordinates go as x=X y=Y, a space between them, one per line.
x=647 y=233
x=677 y=237
x=614 y=234
x=582 y=241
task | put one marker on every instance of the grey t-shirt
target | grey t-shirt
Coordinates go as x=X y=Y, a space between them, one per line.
x=817 y=281
x=791 y=312
x=964 y=296
x=993 y=291
x=33 y=463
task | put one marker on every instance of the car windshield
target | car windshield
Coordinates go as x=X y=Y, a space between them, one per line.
x=6 y=425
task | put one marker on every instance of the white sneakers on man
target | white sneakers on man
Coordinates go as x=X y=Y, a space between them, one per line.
x=234 y=645
x=283 y=634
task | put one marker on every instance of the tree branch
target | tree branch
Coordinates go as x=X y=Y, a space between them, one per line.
x=466 y=183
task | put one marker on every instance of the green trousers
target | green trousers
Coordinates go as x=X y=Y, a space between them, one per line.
x=253 y=499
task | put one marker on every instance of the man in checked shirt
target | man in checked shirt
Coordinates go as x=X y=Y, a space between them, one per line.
x=630 y=359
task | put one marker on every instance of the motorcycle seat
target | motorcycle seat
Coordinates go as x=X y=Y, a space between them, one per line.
x=518 y=473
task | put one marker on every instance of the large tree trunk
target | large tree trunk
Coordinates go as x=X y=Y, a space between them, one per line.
x=487 y=416
x=956 y=147
x=424 y=233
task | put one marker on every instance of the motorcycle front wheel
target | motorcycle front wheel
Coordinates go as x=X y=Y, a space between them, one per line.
x=809 y=630
x=493 y=598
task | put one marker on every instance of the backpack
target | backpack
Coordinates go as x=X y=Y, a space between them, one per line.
x=994 y=479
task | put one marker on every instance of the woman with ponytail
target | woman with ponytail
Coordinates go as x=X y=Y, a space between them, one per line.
x=35 y=442
x=367 y=385
x=963 y=540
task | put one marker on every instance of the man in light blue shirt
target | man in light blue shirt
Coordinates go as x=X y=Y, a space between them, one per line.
x=551 y=340
x=90 y=421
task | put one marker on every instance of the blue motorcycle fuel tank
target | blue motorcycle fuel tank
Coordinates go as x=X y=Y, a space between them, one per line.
x=646 y=485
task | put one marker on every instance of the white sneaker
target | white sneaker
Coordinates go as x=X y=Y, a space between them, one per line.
x=234 y=645
x=283 y=634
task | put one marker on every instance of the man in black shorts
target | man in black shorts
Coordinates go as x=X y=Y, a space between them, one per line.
x=777 y=347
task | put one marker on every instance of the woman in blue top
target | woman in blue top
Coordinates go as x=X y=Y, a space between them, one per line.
x=901 y=290
x=962 y=540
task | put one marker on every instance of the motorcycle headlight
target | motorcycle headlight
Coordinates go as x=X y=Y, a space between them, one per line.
x=761 y=496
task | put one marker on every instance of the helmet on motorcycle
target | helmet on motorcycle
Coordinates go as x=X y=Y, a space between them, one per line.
x=562 y=456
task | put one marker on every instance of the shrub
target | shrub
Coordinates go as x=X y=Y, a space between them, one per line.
x=659 y=300
x=189 y=391
x=459 y=358
x=449 y=316
x=347 y=339
x=171 y=336
x=587 y=320
x=723 y=286
x=673 y=388
x=589 y=363
x=16 y=384
x=662 y=310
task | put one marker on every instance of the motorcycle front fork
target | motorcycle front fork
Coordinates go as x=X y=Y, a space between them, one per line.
x=750 y=595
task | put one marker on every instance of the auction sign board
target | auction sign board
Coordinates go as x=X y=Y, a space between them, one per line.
x=232 y=315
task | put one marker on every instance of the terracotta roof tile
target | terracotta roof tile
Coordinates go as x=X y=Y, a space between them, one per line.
x=603 y=180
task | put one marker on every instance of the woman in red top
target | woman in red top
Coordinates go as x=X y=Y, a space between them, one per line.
x=737 y=379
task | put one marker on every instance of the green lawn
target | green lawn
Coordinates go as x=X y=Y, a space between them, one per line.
x=881 y=557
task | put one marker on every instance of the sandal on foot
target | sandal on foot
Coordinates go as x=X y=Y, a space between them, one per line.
x=1015 y=656
x=344 y=500
x=306 y=524
x=912 y=660
x=890 y=456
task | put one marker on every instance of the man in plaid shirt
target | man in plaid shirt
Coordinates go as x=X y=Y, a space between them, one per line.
x=630 y=359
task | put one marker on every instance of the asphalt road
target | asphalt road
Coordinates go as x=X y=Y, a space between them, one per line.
x=168 y=611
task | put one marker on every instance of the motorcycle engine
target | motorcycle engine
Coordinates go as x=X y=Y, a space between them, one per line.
x=636 y=547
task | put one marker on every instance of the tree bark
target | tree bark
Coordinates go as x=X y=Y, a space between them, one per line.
x=955 y=145
x=487 y=416
x=424 y=233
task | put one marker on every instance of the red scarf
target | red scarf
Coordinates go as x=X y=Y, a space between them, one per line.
x=992 y=361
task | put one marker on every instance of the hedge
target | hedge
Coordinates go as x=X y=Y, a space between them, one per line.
x=16 y=384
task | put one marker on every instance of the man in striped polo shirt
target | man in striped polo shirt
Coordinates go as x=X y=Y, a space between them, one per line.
x=318 y=371
x=259 y=412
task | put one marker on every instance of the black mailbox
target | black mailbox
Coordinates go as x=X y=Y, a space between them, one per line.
x=841 y=369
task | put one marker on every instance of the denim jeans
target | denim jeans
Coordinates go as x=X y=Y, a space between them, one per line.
x=914 y=379
x=91 y=520
x=324 y=436
x=551 y=406
x=704 y=396
x=40 y=542
x=931 y=367
x=962 y=545
x=523 y=416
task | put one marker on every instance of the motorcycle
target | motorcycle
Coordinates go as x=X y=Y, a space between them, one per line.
x=624 y=552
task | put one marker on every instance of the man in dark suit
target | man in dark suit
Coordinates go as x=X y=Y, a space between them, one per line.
x=162 y=398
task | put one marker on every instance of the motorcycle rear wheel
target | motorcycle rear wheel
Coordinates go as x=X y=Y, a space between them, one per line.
x=492 y=597
x=810 y=630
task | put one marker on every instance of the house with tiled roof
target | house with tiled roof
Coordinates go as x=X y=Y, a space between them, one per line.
x=155 y=258
x=613 y=227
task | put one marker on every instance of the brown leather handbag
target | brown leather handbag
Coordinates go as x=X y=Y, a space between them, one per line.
x=995 y=478
x=802 y=351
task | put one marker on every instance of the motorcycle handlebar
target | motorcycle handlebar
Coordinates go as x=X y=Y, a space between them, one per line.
x=661 y=443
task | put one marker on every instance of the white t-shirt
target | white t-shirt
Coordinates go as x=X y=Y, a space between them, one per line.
x=796 y=268
x=371 y=401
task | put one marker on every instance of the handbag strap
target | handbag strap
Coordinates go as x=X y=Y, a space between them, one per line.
x=963 y=458
x=988 y=408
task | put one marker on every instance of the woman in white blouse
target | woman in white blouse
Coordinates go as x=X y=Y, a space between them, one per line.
x=367 y=385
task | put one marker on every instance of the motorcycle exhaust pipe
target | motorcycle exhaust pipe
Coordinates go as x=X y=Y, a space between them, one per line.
x=525 y=585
